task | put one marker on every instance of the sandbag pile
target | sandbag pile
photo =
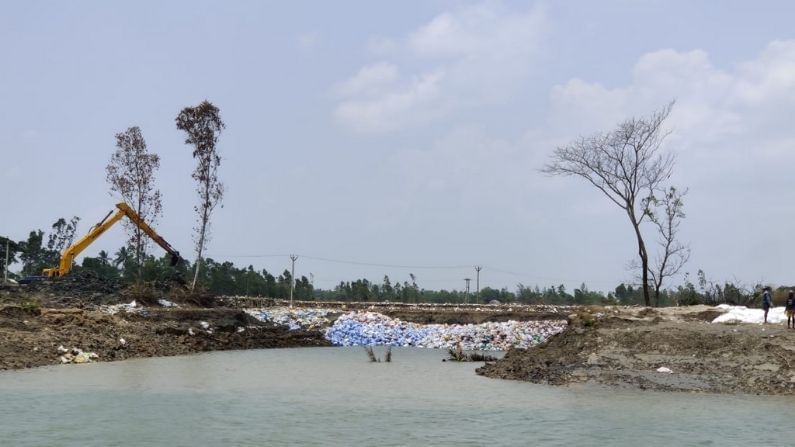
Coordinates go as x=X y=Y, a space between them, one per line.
x=294 y=318
x=370 y=328
x=742 y=314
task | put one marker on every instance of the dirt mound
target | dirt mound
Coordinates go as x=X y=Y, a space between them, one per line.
x=700 y=357
x=78 y=283
x=32 y=339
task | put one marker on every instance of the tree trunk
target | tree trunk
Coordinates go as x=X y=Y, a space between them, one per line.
x=199 y=256
x=200 y=245
x=644 y=260
x=139 y=243
x=644 y=257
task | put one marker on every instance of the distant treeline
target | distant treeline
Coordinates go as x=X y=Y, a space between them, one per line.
x=224 y=278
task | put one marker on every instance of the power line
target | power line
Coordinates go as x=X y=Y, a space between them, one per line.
x=374 y=264
x=525 y=276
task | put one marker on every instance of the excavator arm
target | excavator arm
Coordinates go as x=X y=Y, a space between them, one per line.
x=69 y=255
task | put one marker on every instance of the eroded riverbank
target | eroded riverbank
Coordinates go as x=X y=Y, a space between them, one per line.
x=672 y=349
x=664 y=350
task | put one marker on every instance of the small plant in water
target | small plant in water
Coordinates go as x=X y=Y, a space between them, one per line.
x=371 y=354
x=373 y=359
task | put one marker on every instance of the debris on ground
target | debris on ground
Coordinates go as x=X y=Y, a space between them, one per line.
x=113 y=309
x=75 y=355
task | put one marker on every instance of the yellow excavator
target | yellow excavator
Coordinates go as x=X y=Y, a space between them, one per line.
x=69 y=255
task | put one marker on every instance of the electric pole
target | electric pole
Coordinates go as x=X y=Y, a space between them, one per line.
x=292 y=279
x=477 y=281
x=5 y=275
x=466 y=294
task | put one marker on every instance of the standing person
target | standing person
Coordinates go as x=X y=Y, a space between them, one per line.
x=767 y=302
x=790 y=310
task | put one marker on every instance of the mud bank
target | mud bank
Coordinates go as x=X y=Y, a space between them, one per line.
x=665 y=350
x=31 y=336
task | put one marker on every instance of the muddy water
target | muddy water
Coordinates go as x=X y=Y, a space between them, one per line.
x=333 y=396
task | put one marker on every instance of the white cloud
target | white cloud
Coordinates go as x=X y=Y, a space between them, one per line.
x=458 y=60
x=715 y=110
x=369 y=81
x=379 y=111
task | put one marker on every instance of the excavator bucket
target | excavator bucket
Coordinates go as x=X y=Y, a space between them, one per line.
x=175 y=259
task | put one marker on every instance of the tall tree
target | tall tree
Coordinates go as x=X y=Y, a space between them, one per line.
x=131 y=174
x=33 y=256
x=62 y=235
x=627 y=165
x=36 y=255
x=673 y=254
x=203 y=125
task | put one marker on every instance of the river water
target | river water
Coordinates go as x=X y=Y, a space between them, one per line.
x=334 y=396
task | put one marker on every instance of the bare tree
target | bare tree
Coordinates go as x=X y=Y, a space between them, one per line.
x=203 y=124
x=626 y=165
x=673 y=254
x=131 y=174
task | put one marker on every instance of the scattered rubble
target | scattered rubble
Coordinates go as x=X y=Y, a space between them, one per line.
x=131 y=307
x=75 y=355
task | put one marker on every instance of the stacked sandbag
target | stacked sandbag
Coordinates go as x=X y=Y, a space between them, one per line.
x=371 y=328
x=304 y=318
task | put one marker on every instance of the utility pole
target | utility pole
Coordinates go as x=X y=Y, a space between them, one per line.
x=292 y=279
x=5 y=275
x=477 y=281
x=466 y=294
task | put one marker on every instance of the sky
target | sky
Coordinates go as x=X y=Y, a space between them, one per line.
x=389 y=138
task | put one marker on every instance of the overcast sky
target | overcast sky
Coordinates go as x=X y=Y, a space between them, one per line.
x=409 y=133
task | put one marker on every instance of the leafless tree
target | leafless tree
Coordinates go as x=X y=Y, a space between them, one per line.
x=203 y=124
x=626 y=165
x=131 y=174
x=673 y=254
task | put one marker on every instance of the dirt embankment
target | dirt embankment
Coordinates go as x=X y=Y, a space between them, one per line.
x=666 y=350
x=36 y=321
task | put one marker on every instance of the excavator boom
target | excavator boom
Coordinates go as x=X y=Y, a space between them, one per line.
x=71 y=252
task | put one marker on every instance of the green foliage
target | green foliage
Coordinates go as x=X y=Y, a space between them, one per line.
x=224 y=278
x=34 y=256
x=101 y=265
